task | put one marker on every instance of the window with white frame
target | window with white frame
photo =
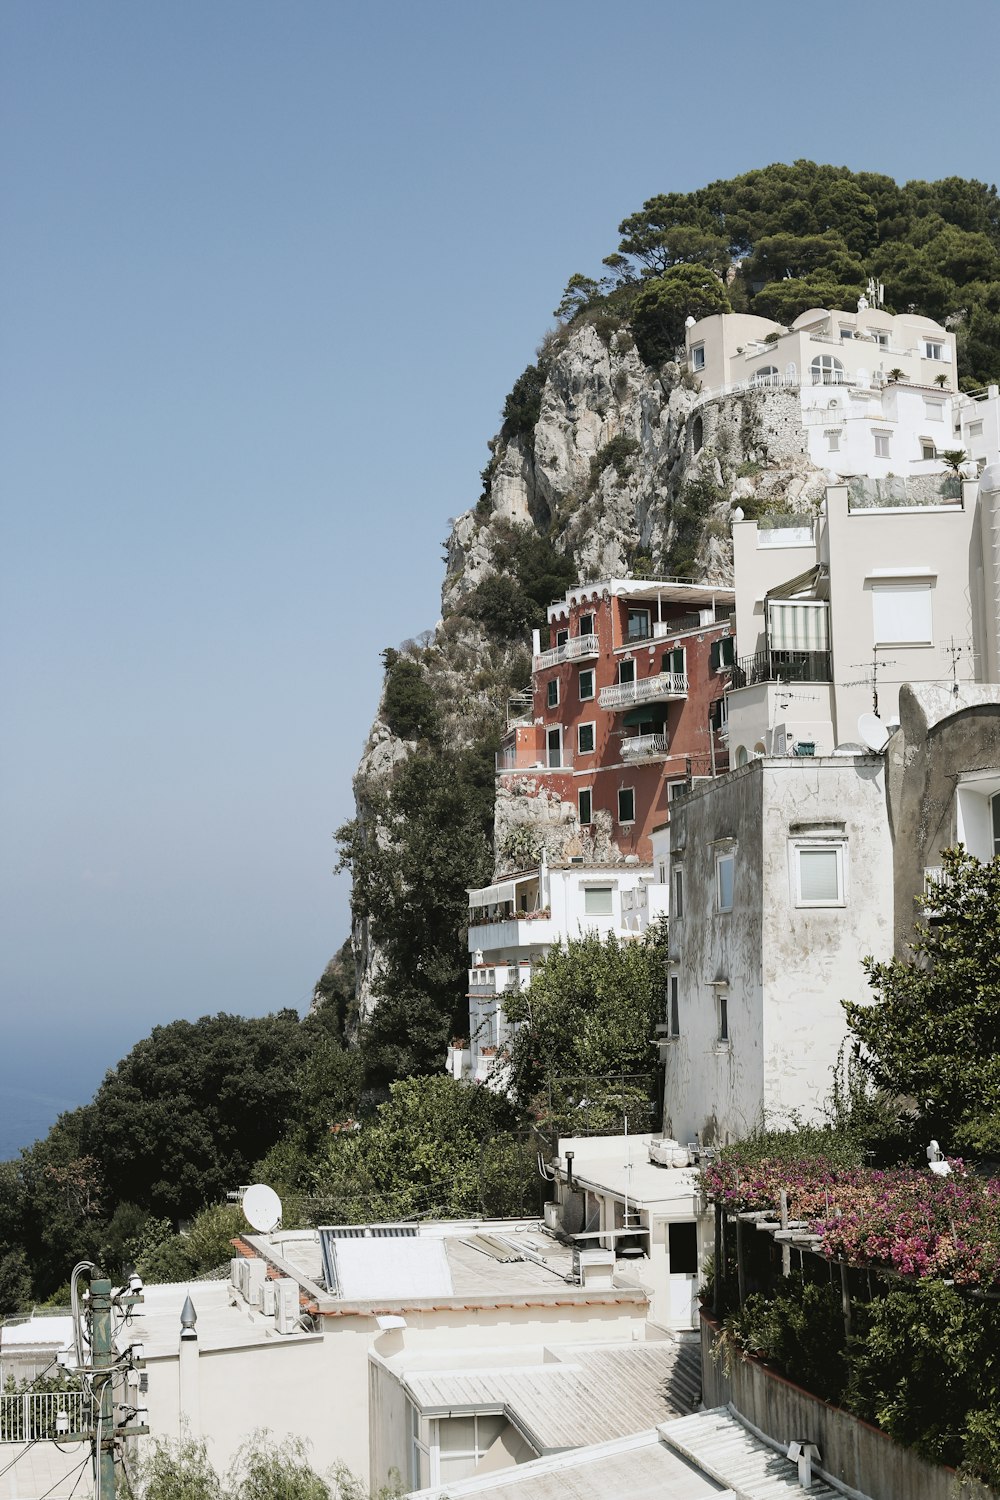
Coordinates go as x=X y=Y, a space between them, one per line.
x=674 y=1018
x=677 y=893
x=766 y=375
x=552 y=692
x=697 y=356
x=928 y=449
x=933 y=410
x=881 y=443
x=586 y=624
x=585 y=802
x=585 y=684
x=585 y=738
x=833 y=440
x=725 y=875
x=995 y=822
x=626 y=669
x=553 y=747
x=676 y=789
x=626 y=804
x=459 y=1444
x=722 y=1016
x=975 y=429
x=933 y=349
x=562 y=636
x=902 y=614
x=818 y=870
x=826 y=370
x=637 y=626
x=597 y=901
x=880 y=337
x=846 y=332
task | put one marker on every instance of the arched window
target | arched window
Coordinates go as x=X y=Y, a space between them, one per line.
x=826 y=370
x=697 y=434
x=767 y=376
x=741 y=755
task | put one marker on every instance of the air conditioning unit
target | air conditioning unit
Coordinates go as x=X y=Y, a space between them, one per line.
x=267 y=1299
x=254 y=1274
x=234 y=1271
x=286 y=1311
x=553 y=1215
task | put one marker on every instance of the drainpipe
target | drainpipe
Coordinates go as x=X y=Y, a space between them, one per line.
x=543 y=879
x=187 y=1375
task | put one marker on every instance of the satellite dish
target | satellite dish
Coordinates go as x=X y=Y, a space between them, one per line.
x=262 y=1208
x=873 y=732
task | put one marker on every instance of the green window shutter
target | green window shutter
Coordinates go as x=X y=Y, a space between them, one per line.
x=715 y=658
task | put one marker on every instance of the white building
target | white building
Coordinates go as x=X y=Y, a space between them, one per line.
x=834 y=611
x=290 y=1341
x=782 y=880
x=876 y=390
x=515 y=922
x=977 y=426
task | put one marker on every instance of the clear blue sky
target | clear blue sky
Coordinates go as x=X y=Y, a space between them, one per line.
x=269 y=270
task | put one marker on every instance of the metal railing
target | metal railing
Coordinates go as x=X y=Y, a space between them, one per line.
x=638 y=746
x=782 y=666
x=574 y=649
x=34 y=1415
x=644 y=690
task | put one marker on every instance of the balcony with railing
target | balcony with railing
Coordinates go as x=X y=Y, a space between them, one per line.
x=486 y=982
x=644 y=746
x=577 y=648
x=660 y=688
x=782 y=666
x=38 y=1416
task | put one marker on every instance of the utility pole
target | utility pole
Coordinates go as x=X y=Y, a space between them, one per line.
x=99 y=1364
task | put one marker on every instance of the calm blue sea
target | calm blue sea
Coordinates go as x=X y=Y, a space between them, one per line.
x=25 y=1116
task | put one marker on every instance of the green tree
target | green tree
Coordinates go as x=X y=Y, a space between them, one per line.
x=436 y=1146
x=408 y=704
x=589 y=1015
x=933 y=1032
x=665 y=302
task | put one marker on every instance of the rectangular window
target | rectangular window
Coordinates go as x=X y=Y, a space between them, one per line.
x=881 y=338
x=901 y=614
x=597 y=901
x=562 y=636
x=682 y=1247
x=553 y=693
x=975 y=429
x=723 y=653
x=676 y=789
x=586 y=624
x=833 y=442
x=722 y=1006
x=626 y=671
x=995 y=818
x=553 y=745
x=585 y=683
x=846 y=333
x=673 y=661
x=725 y=873
x=881 y=444
x=697 y=356
x=678 y=892
x=638 y=624
x=674 y=1019
x=934 y=410
x=626 y=805
x=928 y=450
x=585 y=739
x=933 y=350
x=819 y=873
x=586 y=805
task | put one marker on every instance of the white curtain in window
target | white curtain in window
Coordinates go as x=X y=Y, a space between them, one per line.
x=901 y=613
x=794 y=625
x=818 y=878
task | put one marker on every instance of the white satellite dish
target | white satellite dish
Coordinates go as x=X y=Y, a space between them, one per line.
x=262 y=1208
x=873 y=732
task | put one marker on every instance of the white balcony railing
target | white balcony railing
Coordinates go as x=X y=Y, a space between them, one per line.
x=35 y=1415
x=644 y=690
x=575 y=649
x=644 y=746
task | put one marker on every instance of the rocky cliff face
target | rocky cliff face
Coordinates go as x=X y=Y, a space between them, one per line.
x=629 y=470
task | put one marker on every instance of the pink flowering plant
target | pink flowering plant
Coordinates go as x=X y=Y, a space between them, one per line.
x=903 y=1220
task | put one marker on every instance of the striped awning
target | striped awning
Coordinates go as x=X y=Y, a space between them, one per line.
x=496 y=895
x=798 y=625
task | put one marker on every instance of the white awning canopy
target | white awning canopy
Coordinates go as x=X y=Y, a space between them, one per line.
x=496 y=895
x=798 y=625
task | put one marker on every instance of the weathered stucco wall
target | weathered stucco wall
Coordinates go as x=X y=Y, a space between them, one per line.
x=852 y=1451
x=783 y=966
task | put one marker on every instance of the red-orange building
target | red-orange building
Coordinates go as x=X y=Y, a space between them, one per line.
x=626 y=701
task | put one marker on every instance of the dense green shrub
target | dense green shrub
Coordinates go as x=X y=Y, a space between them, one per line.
x=408 y=704
x=523 y=406
x=665 y=302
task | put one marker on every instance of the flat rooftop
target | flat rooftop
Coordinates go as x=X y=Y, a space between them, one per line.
x=620 y=1165
x=392 y=1267
x=156 y=1322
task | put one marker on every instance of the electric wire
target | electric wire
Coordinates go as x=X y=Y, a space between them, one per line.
x=30 y=1444
x=64 y=1479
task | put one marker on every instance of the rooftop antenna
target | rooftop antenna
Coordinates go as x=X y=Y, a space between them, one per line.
x=873 y=678
x=955 y=652
x=876 y=292
x=262 y=1208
